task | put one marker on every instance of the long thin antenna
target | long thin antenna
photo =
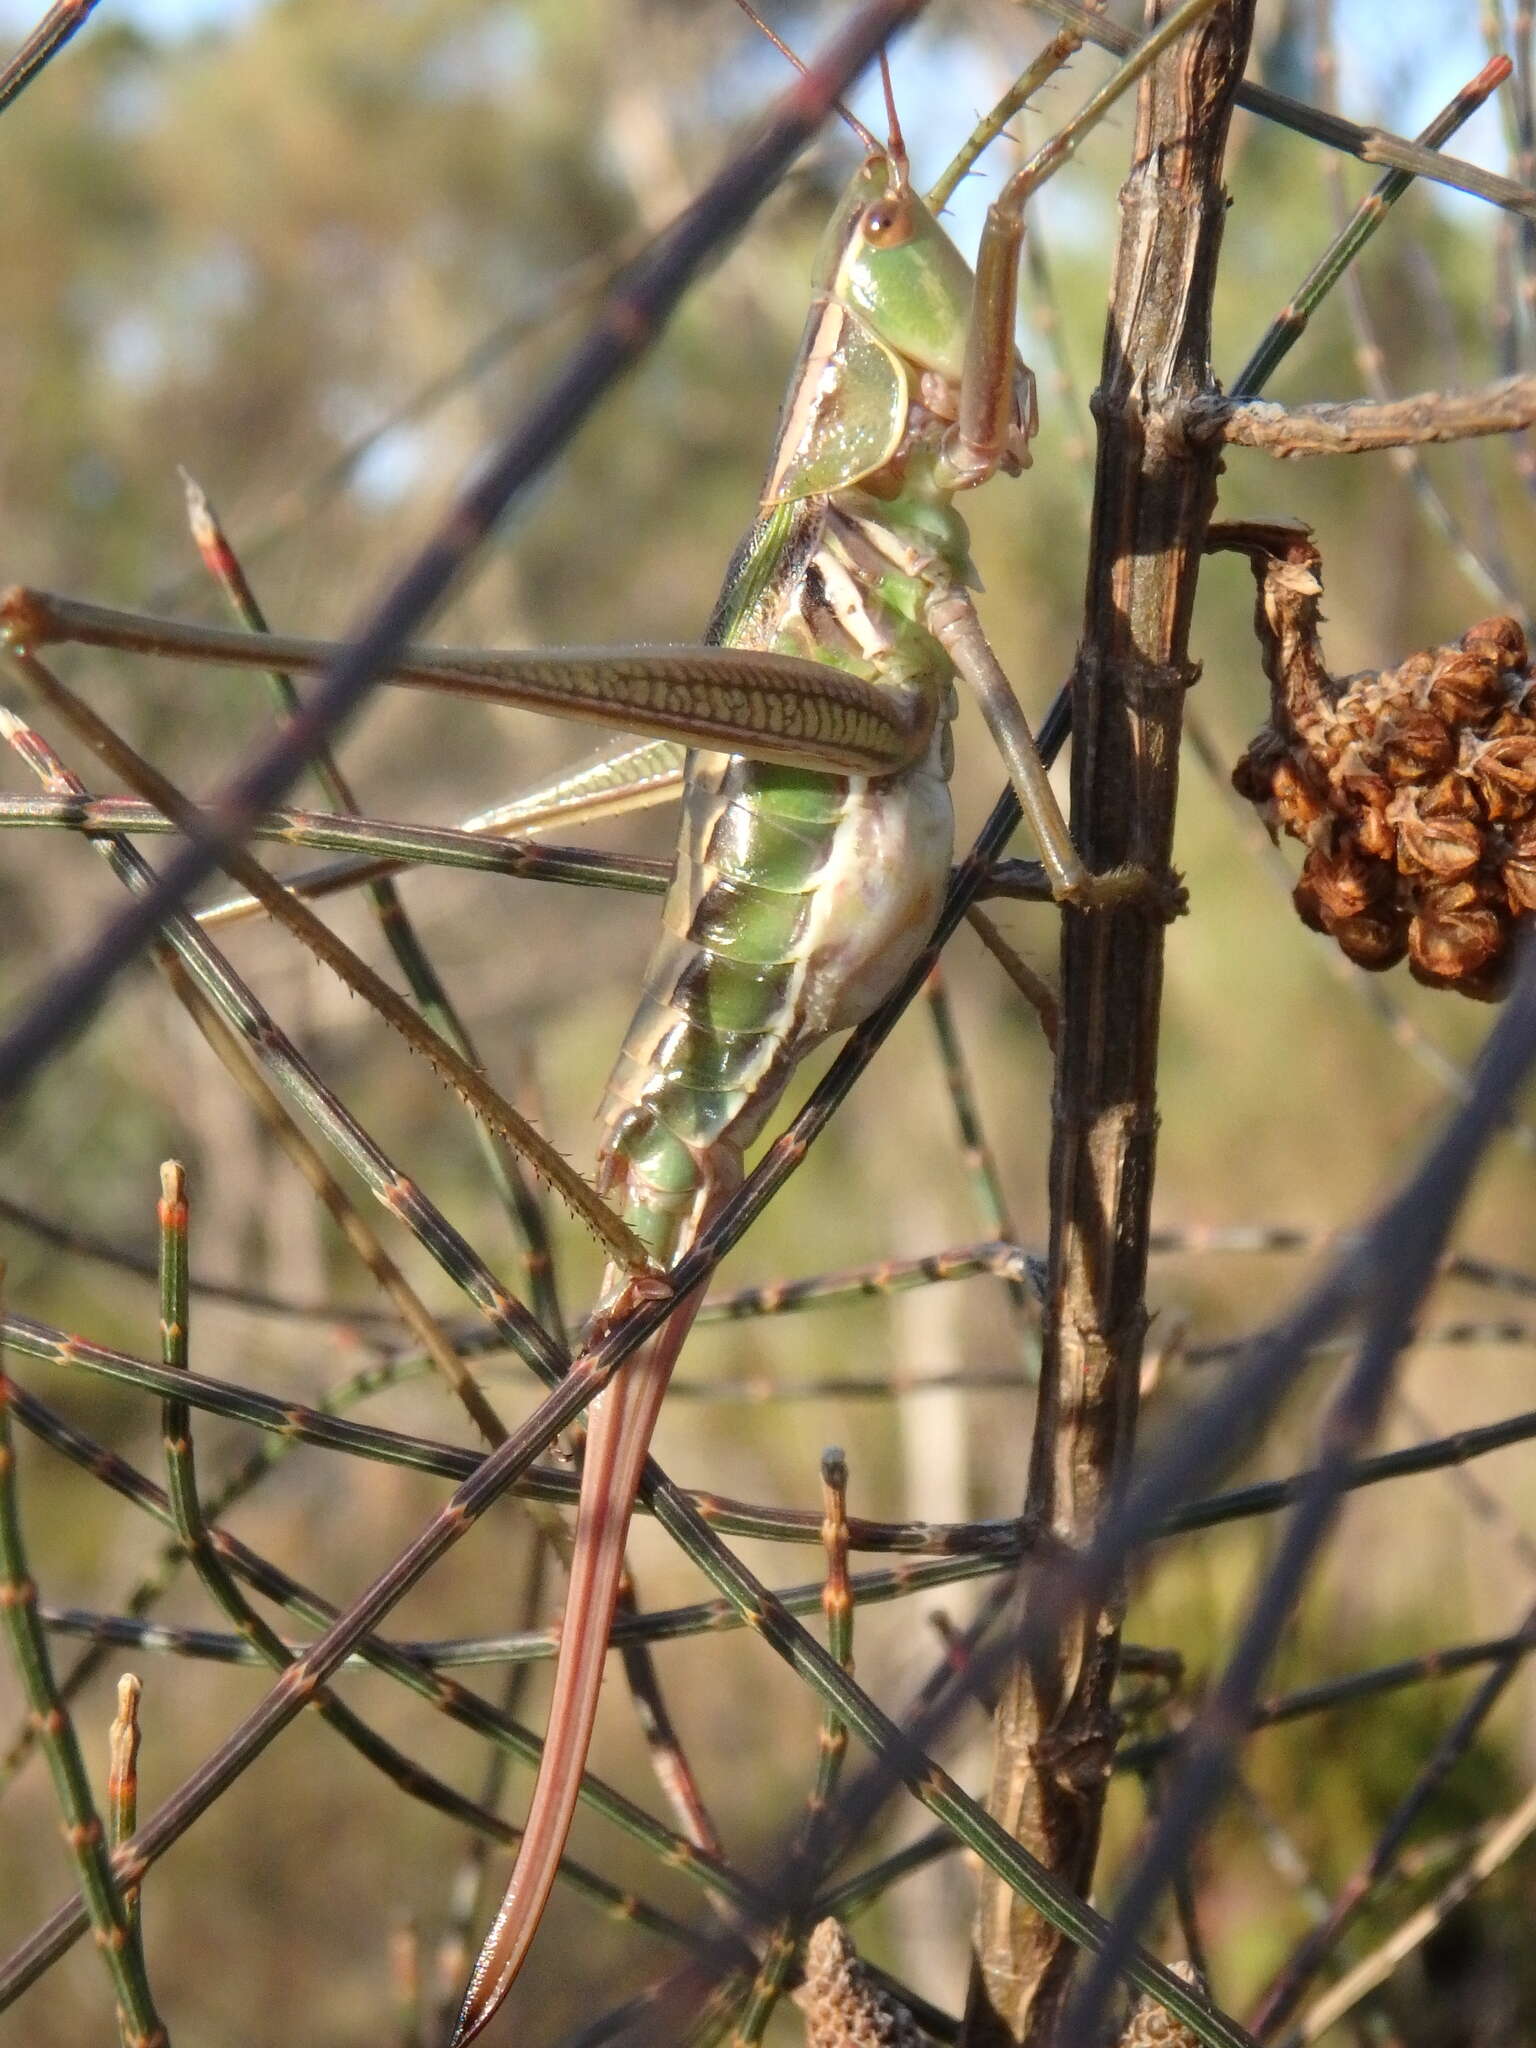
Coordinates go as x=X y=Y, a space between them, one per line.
x=875 y=148
x=896 y=148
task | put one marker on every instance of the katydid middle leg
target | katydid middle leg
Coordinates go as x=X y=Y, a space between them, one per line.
x=952 y=617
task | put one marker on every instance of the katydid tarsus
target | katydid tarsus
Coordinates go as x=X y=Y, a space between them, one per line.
x=816 y=830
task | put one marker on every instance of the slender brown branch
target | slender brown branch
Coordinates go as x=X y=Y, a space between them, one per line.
x=1360 y=426
x=63 y=20
x=1370 y=145
x=1154 y=494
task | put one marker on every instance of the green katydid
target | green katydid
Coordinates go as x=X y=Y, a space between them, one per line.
x=816 y=832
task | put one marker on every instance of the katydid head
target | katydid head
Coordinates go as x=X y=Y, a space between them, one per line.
x=886 y=256
x=889 y=325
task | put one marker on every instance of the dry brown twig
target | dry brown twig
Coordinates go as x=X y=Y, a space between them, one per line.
x=1362 y=426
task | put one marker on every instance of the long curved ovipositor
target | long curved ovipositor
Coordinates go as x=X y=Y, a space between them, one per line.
x=622 y=1420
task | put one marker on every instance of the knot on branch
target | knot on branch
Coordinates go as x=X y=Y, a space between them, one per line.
x=1149 y=688
x=1080 y=1760
x=1413 y=788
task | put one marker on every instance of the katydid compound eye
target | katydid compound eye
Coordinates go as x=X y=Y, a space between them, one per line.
x=888 y=223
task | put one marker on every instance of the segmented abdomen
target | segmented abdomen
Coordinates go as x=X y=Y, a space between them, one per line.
x=800 y=899
x=799 y=902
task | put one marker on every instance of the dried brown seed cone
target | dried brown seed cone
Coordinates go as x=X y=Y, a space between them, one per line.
x=1413 y=789
x=1456 y=934
x=1410 y=679
x=1344 y=883
x=1502 y=638
x=844 y=2007
x=1337 y=734
x=1465 y=689
x=1374 y=832
x=1489 y=987
x=1504 y=769
x=1253 y=777
x=1518 y=868
x=1444 y=848
x=1510 y=720
x=1453 y=796
x=1414 y=745
x=1374 y=935
x=1270 y=777
x=1375 y=940
x=1308 y=909
x=1297 y=803
x=1152 y=2026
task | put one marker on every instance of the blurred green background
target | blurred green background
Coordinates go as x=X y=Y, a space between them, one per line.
x=257 y=241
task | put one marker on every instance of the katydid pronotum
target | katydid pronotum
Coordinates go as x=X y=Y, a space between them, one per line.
x=816 y=833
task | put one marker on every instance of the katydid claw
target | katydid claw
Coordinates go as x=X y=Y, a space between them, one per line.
x=636 y=1291
x=1130 y=886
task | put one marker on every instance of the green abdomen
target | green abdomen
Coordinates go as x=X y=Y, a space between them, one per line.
x=799 y=902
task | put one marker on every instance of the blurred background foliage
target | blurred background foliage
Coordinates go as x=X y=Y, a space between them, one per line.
x=261 y=246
